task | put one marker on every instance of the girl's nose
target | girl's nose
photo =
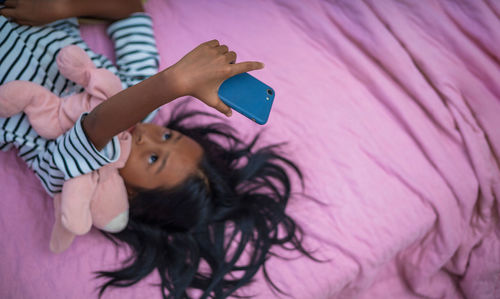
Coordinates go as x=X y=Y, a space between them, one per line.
x=138 y=138
x=143 y=138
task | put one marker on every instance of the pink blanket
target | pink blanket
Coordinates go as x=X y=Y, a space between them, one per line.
x=392 y=108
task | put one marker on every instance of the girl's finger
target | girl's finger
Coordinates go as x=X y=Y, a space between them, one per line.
x=9 y=13
x=231 y=57
x=23 y=22
x=222 y=49
x=212 y=43
x=9 y=3
x=247 y=66
x=223 y=108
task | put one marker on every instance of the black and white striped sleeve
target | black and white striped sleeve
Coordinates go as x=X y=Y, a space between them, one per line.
x=135 y=48
x=73 y=154
x=55 y=161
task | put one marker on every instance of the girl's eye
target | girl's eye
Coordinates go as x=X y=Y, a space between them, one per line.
x=153 y=158
x=166 y=136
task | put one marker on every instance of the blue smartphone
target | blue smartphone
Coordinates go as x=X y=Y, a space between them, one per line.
x=249 y=96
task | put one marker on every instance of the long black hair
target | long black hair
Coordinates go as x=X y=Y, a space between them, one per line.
x=196 y=233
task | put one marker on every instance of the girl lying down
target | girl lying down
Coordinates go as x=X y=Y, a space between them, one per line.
x=187 y=185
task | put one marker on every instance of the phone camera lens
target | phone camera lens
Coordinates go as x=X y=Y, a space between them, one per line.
x=270 y=92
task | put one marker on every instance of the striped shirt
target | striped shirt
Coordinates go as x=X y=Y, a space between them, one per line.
x=29 y=53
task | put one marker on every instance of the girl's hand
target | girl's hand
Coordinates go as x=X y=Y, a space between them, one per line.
x=201 y=72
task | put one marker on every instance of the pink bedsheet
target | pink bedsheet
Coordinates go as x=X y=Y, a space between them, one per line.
x=392 y=108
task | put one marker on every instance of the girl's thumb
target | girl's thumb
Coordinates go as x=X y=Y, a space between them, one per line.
x=223 y=108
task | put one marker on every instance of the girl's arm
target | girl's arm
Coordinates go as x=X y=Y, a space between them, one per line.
x=39 y=12
x=198 y=74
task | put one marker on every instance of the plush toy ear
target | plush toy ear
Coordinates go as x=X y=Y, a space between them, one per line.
x=60 y=238
x=74 y=64
x=75 y=203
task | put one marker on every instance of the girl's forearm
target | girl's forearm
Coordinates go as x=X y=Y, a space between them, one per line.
x=128 y=107
x=109 y=9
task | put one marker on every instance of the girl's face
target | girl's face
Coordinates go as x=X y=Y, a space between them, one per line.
x=160 y=158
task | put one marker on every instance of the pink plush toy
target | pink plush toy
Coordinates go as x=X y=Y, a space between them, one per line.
x=99 y=197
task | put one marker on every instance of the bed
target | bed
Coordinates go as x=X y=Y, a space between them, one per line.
x=392 y=108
